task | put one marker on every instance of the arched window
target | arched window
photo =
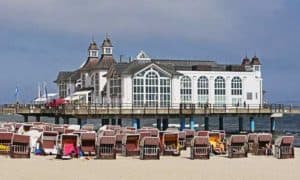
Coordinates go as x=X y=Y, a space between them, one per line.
x=151 y=87
x=202 y=90
x=236 y=91
x=97 y=84
x=186 y=89
x=220 y=91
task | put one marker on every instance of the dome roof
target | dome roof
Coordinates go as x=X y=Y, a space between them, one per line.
x=246 y=61
x=107 y=42
x=93 y=46
x=255 y=61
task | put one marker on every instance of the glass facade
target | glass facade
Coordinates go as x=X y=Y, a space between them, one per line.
x=203 y=90
x=220 y=91
x=236 y=91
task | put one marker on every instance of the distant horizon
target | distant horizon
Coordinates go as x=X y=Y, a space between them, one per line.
x=39 y=39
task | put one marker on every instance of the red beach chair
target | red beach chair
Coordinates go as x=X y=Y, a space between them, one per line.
x=182 y=140
x=88 y=143
x=119 y=139
x=5 y=142
x=200 y=147
x=189 y=133
x=202 y=133
x=69 y=145
x=106 y=147
x=237 y=146
x=284 y=147
x=20 y=147
x=252 y=138
x=130 y=145
x=49 y=142
x=149 y=148
x=261 y=145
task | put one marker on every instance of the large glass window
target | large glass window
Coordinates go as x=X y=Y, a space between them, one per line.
x=202 y=90
x=97 y=84
x=220 y=91
x=115 y=89
x=186 y=89
x=151 y=89
x=236 y=91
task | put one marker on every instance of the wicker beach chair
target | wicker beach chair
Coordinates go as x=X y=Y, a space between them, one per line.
x=252 y=138
x=130 y=145
x=69 y=146
x=170 y=144
x=237 y=146
x=149 y=148
x=107 y=133
x=49 y=142
x=5 y=142
x=284 y=147
x=106 y=148
x=260 y=146
x=88 y=127
x=200 y=147
x=20 y=147
x=3 y=129
x=189 y=134
x=88 y=143
x=216 y=142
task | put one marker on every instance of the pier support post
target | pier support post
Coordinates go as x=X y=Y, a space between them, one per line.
x=138 y=121
x=158 y=123
x=104 y=122
x=56 y=120
x=273 y=124
x=206 y=123
x=252 y=124
x=66 y=120
x=25 y=118
x=221 y=123
x=165 y=123
x=134 y=123
x=120 y=122
x=79 y=121
x=38 y=118
x=241 y=124
x=182 y=123
x=192 y=123
x=113 y=121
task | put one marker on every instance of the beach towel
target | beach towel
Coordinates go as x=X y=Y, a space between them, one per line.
x=69 y=149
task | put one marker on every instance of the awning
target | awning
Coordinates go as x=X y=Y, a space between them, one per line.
x=80 y=93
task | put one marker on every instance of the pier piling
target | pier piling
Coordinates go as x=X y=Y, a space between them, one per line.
x=66 y=120
x=273 y=124
x=252 y=124
x=120 y=122
x=192 y=123
x=113 y=121
x=158 y=123
x=182 y=123
x=221 y=123
x=241 y=124
x=165 y=123
x=38 y=118
x=25 y=119
x=56 y=120
x=79 y=122
x=206 y=123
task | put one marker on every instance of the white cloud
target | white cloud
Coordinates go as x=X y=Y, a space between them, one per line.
x=212 y=20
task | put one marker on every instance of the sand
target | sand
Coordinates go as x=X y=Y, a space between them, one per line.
x=218 y=167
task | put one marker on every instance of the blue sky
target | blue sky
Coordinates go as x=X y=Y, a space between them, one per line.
x=40 y=38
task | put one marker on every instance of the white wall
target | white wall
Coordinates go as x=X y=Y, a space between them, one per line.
x=126 y=90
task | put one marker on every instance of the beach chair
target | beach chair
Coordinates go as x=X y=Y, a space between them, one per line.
x=252 y=138
x=106 y=148
x=59 y=129
x=170 y=144
x=182 y=140
x=130 y=145
x=119 y=139
x=88 y=143
x=284 y=147
x=189 y=134
x=144 y=134
x=149 y=148
x=200 y=147
x=49 y=142
x=3 y=129
x=237 y=146
x=69 y=146
x=20 y=147
x=107 y=133
x=261 y=145
x=9 y=126
x=5 y=142
x=88 y=127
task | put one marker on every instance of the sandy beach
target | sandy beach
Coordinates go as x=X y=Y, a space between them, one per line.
x=253 y=167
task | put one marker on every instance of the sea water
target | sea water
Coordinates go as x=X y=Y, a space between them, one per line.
x=287 y=125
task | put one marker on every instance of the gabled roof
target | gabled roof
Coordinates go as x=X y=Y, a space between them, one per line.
x=67 y=76
x=90 y=64
x=105 y=62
